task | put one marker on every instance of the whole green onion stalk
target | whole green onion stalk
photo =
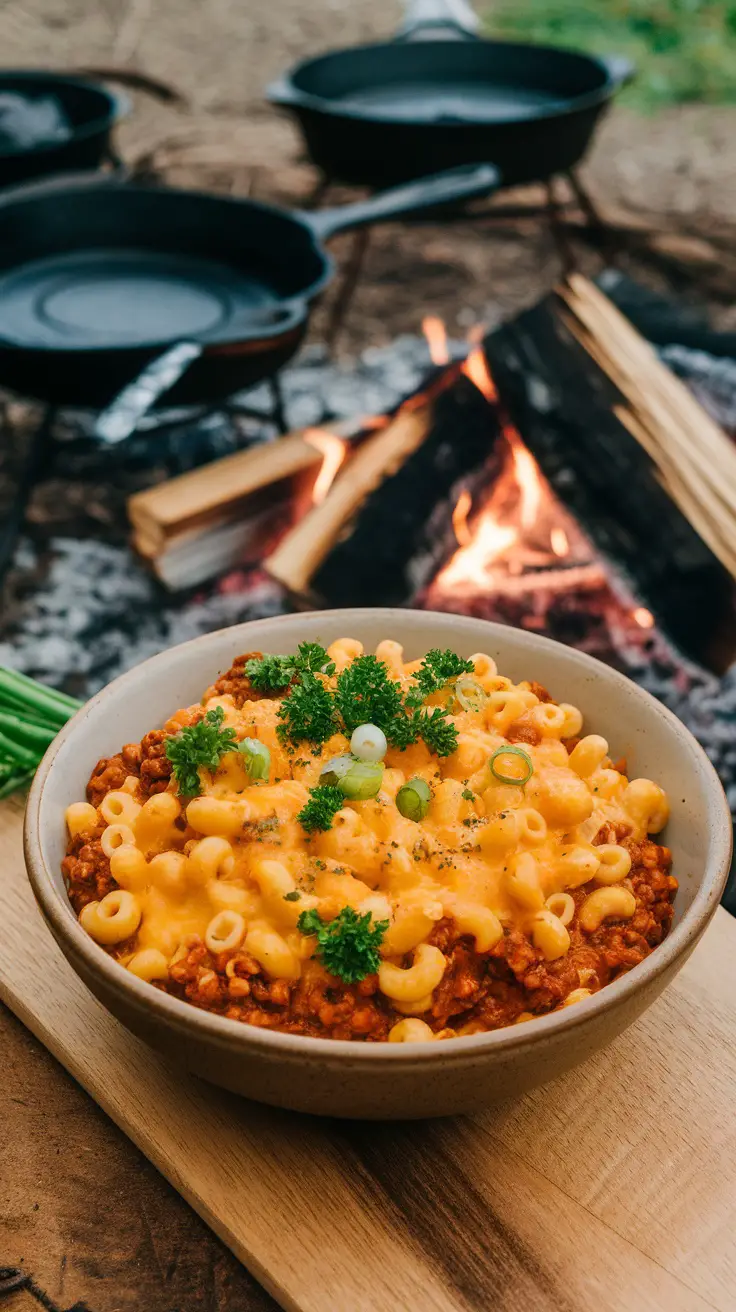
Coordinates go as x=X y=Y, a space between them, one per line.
x=31 y=715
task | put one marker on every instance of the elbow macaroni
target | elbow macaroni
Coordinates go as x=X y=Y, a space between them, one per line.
x=411 y=983
x=233 y=870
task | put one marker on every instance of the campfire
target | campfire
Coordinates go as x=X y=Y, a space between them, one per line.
x=499 y=478
x=444 y=504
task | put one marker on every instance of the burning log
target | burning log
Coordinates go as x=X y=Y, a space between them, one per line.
x=296 y=559
x=523 y=560
x=215 y=493
x=569 y=411
x=378 y=534
x=194 y=526
x=695 y=458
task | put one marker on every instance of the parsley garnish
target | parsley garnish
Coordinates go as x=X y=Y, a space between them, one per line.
x=366 y=695
x=269 y=673
x=321 y=809
x=308 y=712
x=199 y=746
x=294 y=896
x=348 y=945
x=437 y=668
x=439 y=733
x=468 y=794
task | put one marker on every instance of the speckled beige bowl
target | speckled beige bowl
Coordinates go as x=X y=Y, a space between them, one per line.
x=386 y=1081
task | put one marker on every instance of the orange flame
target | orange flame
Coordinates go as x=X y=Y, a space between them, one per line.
x=460 y=518
x=558 y=542
x=644 y=617
x=436 y=335
x=333 y=453
x=476 y=369
x=521 y=529
x=475 y=335
x=526 y=472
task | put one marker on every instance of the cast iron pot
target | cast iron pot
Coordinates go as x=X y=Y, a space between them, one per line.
x=92 y=112
x=438 y=96
x=98 y=279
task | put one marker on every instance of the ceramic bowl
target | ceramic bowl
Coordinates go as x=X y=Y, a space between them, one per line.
x=385 y=1081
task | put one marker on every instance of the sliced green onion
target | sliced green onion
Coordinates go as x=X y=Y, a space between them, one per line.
x=33 y=688
x=35 y=697
x=469 y=693
x=363 y=780
x=368 y=743
x=31 y=715
x=15 y=782
x=413 y=799
x=10 y=750
x=335 y=770
x=26 y=732
x=510 y=779
x=14 y=705
x=257 y=758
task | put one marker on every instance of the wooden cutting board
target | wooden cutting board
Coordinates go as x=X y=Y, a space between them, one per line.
x=612 y=1188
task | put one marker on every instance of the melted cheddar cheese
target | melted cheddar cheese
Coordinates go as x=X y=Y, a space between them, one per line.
x=235 y=867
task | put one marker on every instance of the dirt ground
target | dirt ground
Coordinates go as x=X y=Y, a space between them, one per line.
x=677 y=168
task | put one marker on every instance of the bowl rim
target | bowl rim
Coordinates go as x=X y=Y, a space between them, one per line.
x=192 y=1021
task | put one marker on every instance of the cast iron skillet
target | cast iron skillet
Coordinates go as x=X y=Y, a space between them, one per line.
x=99 y=278
x=91 y=110
x=438 y=96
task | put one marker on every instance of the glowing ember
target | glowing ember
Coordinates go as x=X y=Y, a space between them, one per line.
x=460 y=519
x=476 y=369
x=333 y=454
x=643 y=617
x=558 y=542
x=436 y=335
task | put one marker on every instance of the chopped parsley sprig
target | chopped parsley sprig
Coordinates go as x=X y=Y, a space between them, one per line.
x=271 y=673
x=436 y=670
x=308 y=713
x=199 y=746
x=347 y=946
x=321 y=809
x=366 y=695
x=436 y=730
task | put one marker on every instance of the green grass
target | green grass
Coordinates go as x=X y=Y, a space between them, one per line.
x=684 y=50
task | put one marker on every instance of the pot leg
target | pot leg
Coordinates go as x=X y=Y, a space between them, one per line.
x=585 y=201
x=346 y=290
x=279 y=405
x=318 y=192
x=34 y=468
x=558 y=227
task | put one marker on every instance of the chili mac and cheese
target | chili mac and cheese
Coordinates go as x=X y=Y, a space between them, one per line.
x=350 y=845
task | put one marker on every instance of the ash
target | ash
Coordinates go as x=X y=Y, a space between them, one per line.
x=78 y=608
x=711 y=379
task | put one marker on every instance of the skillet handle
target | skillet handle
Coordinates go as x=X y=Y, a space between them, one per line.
x=94 y=179
x=121 y=418
x=136 y=80
x=620 y=69
x=284 y=93
x=464 y=183
x=426 y=20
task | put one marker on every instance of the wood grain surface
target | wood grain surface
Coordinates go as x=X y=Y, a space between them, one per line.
x=612 y=1188
x=86 y=1215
